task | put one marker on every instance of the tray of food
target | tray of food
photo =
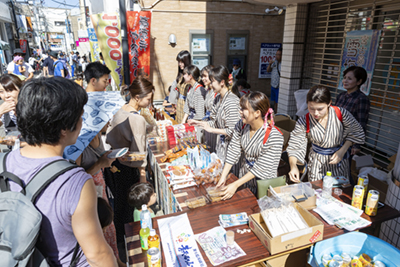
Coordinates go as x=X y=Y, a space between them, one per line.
x=196 y=202
x=133 y=156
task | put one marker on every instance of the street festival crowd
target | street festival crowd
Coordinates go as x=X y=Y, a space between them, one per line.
x=82 y=225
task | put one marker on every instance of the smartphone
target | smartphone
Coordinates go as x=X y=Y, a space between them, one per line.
x=117 y=153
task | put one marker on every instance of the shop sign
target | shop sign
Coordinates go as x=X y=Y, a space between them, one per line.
x=267 y=53
x=23 y=44
x=83 y=40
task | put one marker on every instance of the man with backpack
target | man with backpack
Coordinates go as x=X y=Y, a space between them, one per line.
x=64 y=195
x=60 y=69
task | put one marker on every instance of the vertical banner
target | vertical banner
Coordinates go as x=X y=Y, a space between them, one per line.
x=23 y=44
x=360 y=50
x=94 y=45
x=108 y=29
x=267 y=53
x=139 y=43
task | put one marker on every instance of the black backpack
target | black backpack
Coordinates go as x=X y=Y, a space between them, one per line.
x=20 y=221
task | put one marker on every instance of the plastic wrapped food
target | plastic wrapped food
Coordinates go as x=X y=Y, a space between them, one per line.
x=214 y=193
x=196 y=202
x=134 y=156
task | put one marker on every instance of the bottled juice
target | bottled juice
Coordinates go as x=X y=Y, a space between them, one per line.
x=154 y=239
x=144 y=235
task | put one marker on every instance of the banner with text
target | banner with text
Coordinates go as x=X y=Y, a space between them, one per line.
x=108 y=32
x=267 y=53
x=360 y=50
x=138 y=25
x=94 y=45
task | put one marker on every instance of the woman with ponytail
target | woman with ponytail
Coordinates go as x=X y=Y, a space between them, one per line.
x=260 y=141
x=225 y=113
x=179 y=87
x=209 y=138
x=194 y=105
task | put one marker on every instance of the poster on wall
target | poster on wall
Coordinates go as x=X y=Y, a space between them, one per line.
x=108 y=32
x=94 y=45
x=200 y=45
x=360 y=50
x=139 y=43
x=267 y=53
x=237 y=43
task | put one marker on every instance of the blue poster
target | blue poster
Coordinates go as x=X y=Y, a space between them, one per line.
x=360 y=50
x=267 y=53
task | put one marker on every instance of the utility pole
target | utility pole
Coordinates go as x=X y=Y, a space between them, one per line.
x=124 y=39
x=15 y=20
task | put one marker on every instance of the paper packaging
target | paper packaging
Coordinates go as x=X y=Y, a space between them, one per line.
x=309 y=204
x=376 y=184
x=290 y=240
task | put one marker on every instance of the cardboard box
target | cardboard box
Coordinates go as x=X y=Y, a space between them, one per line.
x=295 y=259
x=392 y=160
x=310 y=203
x=291 y=240
x=376 y=184
x=363 y=161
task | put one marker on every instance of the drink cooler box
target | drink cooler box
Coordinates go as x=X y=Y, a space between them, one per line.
x=354 y=244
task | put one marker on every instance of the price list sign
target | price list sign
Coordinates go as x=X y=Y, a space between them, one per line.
x=267 y=53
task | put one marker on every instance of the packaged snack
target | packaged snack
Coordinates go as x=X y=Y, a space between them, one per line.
x=214 y=193
x=133 y=156
x=196 y=202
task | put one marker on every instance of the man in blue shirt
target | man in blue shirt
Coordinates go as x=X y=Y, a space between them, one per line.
x=275 y=67
x=48 y=64
x=58 y=67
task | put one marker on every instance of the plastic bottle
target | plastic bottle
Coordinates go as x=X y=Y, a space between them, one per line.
x=144 y=235
x=145 y=218
x=154 y=239
x=327 y=184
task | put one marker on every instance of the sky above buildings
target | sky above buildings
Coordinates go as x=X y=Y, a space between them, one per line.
x=61 y=3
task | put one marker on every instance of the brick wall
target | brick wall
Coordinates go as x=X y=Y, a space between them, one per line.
x=179 y=17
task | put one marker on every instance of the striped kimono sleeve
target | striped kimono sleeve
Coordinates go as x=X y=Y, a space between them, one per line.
x=266 y=165
x=232 y=115
x=352 y=129
x=186 y=106
x=199 y=103
x=213 y=116
x=235 y=147
x=298 y=141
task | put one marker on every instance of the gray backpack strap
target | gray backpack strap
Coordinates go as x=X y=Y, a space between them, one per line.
x=45 y=176
x=3 y=182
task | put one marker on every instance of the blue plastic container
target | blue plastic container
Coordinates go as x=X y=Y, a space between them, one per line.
x=354 y=244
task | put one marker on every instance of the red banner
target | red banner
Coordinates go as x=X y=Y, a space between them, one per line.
x=23 y=44
x=138 y=25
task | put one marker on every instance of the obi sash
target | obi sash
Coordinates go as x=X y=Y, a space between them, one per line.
x=207 y=116
x=330 y=151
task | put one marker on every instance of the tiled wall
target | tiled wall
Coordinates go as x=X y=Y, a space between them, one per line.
x=292 y=57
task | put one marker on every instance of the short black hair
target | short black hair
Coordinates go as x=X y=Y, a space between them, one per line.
x=279 y=49
x=95 y=70
x=139 y=194
x=359 y=72
x=48 y=105
x=105 y=212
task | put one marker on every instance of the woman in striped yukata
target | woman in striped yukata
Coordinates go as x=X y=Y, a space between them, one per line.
x=331 y=131
x=179 y=88
x=225 y=113
x=260 y=141
x=210 y=139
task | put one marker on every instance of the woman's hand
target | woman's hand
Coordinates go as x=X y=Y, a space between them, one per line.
x=221 y=181
x=229 y=191
x=337 y=157
x=193 y=122
x=104 y=161
x=294 y=174
x=7 y=106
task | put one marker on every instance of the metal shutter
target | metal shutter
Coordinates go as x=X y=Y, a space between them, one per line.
x=327 y=26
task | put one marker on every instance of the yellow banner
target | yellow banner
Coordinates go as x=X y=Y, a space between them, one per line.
x=108 y=32
x=94 y=45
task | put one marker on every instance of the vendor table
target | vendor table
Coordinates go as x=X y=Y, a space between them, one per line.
x=206 y=217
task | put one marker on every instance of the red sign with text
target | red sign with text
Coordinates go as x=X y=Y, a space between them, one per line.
x=23 y=44
x=138 y=25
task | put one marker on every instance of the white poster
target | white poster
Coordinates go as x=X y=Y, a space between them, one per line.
x=200 y=62
x=267 y=53
x=199 y=45
x=237 y=43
